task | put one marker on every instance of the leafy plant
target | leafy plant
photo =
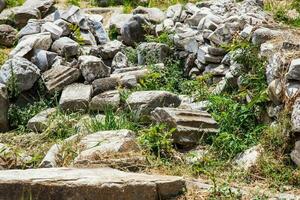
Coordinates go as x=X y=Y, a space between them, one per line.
x=76 y=34
x=14 y=3
x=163 y=38
x=113 y=33
x=74 y=2
x=3 y=57
x=12 y=85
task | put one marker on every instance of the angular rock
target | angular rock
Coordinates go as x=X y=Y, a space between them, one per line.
x=98 y=30
x=108 y=50
x=43 y=59
x=50 y=160
x=93 y=68
x=103 y=101
x=33 y=27
x=57 y=78
x=275 y=91
x=40 y=121
x=64 y=25
x=4 y=105
x=8 y=35
x=204 y=57
x=120 y=61
x=262 y=35
x=24 y=72
x=105 y=183
x=65 y=47
x=117 y=21
x=88 y=38
x=55 y=31
x=42 y=5
x=222 y=35
x=2 y=5
x=248 y=158
x=190 y=125
x=174 y=12
x=296 y=116
x=76 y=97
x=152 y=52
x=294 y=70
x=23 y=14
x=295 y=154
x=105 y=84
x=144 y=102
x=154 y=15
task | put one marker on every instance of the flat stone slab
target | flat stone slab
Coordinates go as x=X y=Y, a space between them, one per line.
x=88 y=184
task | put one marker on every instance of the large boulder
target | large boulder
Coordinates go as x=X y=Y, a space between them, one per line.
x=4 y=125
x=99 y=183
x=105 y=100
x=191 y=125
x=76 y=97
x=143 y=102
x=65 y=47
x=8 y=35
x=23 y=72
x=93 y=68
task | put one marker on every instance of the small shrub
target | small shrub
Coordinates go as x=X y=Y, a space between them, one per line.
x=113 y=33
x=74 y=2
x=14 y=3
x=131 y=54
x=163 y=38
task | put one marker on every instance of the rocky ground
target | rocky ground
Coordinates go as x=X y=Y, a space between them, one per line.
x=193 y=101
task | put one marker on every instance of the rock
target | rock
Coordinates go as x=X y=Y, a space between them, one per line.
x=2 y=5
x=154 y=15
x=55 y=31
x=292 y=89
x=174 y=12
x=294 y=72
x=120 y=61
x=190 y=125
x=262 y=35
x=117 y=21
x=64 y=25
x=103 y=142
x=106 y=183
x=24 y=72
x=42 y=5
x=295 y=154
x=99 y=31
x=197 y=16
x=136 y=74
x=33 y=27
x=133 y=31
x=23 y=14
x=88 y=38
x=105 y=84
x=144 y=102
x=222 y=35
x=103 y=101
x=152 y=53
x=93 y=68
x=57 y=78
x=275 y=68
x=246 y=32
x=296 y=116
x=65 y=47
x=8 y=35
x=4 y=105
x=76 y=97
x=31 y=42
x=275 y=91
x=75 y=16
x=43 y=59
x=108 y=50
x=204 y=57
x=50 y=160
x=248 y=158
x=39 y=122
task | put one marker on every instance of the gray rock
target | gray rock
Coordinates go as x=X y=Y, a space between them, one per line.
x=64 y=25
x=117 y=21
x=4 y=104
x=2 y=5
x=65 y=47
x=133 y=31
x=99 y=31
x=92 y=68
x=295 y=119
x=262 y=35
x=120 y=61
x=105 y=84
x=152 y=52
x=43 y=59
x=88 y=38
x=168 y=24
x=292 y=89
x=144 y=102
x=33 y=27
x=207 y=23
x=23 y=14
x=55 y=30
x=31 y=42
x=8 y=35
x=108 y=50
x=222 y=35
x=40 y=121
x=190 y=125
x=276 y=91
x=248 y=158
x=195 y=19
x=294 y=72
x=216 y=70
x=75 y=16
x=295 y=154
x=106 y=183
x=50 y=160
x=174 y=12
x=103 y=101
x=76 y=97
x=42 y=5
x=204 y=57
x=246 y=32
x=275 y=67
x=154 y=15
x=59 y=77
x=25 y=73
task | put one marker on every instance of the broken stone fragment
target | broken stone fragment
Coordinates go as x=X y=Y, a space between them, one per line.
x=105 y=84
x=88 y=38
x=55 y=31
x=76 y=97
x=120 y=61
x=43 y=59
x=276 y=91
x=4 y=104
x=24 y=13
x=33 y=27
x=65 y=47
x=50 y=160
x=8 y=35
x=294 y=70
x=262 y=35
x=154 y=52
x=64 y=25
x=108 y=50
x=249 y=158
x=191 y=125
x=295 y=155
x=154 y=15
x=105 y=100
x=39 y=122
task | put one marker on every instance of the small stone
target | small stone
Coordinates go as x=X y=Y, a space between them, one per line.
x=246 y=32
x=50 y=160
x=294 y=70
x=39 y=122
x=55 y=30
x=76 y=97
x=248 y=158
x=120 y=61
x=65 y=47
x=8 y=35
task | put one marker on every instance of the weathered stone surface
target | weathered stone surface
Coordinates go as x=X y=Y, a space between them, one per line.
x=105 y=183
x=4 y=104
x=57 y=78
x=275 y=91
x=105 y=84
x=76 y=97
x=92 y=68
x=98 y=30
x=24 y=72
x=40 y=121
x=152 y=14
x=144 y=102
x=31 y=42
x=295 y=155
x=174 y=12
x=23 y=14
x=103 y=142
x=296 y=116
x=2 y=5
x=109 y=99
x=155 y=52
x=120 y=61
x=108 y=50
x=262 y=35
x=117 y=21
x=65 y=47
x=294 y=70
x=33 y=27
x=88 y=38
x=55 y=31
x=50 y=160
x=42 y=5
x=43 y=59
x=8 y=35
x=248 y=158
x=190 y=125
x=64 y=25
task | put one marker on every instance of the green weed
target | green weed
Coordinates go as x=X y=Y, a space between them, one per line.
x=74 y=2
x=14 y=3
x=76 y=34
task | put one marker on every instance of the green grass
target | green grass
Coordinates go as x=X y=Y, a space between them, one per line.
x=14 y=3
x=74 y=2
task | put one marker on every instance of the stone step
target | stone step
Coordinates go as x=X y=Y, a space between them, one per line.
x=88 y=184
